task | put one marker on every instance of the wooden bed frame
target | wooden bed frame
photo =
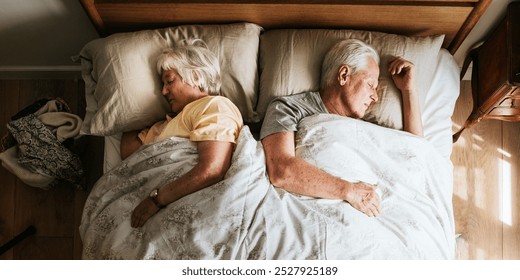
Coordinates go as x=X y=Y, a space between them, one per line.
x=454 y=18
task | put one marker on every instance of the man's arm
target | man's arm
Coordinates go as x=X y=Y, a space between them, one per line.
x=403 y=74
x=296 y=175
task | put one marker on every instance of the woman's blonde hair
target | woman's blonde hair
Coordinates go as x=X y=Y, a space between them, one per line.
x=351 y=52
x=195 y=63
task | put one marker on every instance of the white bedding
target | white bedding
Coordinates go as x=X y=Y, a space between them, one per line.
x=244 y=217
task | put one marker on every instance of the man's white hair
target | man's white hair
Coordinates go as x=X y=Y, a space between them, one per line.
x=351 y=52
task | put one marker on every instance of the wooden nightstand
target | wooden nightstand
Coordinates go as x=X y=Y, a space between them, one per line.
x=495 y=77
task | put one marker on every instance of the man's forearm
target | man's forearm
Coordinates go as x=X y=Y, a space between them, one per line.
x=295 y=175
x=412 y=120
x=298 y=176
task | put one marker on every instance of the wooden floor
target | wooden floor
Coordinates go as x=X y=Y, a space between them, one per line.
x=55 y=213
x=486 y=185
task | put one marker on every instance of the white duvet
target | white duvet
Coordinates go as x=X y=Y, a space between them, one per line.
x=245 y=217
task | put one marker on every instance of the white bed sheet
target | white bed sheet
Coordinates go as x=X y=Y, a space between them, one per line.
x=440 y=103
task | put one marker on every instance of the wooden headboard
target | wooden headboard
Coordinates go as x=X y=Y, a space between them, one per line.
x=455 y=18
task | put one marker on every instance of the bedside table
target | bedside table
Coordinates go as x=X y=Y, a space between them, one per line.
x=495 y=79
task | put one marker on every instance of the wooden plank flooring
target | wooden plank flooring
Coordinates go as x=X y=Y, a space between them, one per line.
x=55 y=213
x=486 y=184
x=9 y=107
x=511 y=184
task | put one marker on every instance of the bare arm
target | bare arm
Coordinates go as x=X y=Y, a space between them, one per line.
x=403 y=74
x=214 y=161
x=298 y=176
x=129 y=143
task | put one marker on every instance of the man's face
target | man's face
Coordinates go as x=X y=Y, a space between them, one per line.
x=359 y=92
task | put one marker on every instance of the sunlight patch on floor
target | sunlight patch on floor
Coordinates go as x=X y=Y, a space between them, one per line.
x=461 y=182
x=479 y=197
x=505 y=192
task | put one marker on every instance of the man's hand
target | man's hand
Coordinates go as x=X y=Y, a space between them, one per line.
x=364 y=198
x=403 y=74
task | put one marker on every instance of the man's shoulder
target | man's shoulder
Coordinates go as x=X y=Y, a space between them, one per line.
x=304 y=99
x=298 y=96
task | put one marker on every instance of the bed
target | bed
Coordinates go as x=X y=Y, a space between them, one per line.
x=263 y=55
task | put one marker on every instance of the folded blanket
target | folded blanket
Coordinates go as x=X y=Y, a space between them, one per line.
x=9 y=159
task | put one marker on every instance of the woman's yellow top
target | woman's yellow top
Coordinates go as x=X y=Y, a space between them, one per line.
x=211 y=118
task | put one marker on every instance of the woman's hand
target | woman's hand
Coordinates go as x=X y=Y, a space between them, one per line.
x=403 y=74
x=143 y=212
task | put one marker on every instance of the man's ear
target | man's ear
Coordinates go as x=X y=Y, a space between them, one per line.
x=343 y=73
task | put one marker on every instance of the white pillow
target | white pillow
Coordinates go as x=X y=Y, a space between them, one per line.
x=123 y=88
x=290 y=62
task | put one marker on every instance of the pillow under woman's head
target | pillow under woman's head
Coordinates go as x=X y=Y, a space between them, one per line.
x=291 y=61
x=123 y=88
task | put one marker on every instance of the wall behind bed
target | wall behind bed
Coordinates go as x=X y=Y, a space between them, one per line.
x=39 y=37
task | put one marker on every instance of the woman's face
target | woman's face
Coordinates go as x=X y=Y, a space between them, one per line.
x=360 y=90
x=178 y=93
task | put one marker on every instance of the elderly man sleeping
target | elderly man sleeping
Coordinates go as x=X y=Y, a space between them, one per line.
x=349 y=80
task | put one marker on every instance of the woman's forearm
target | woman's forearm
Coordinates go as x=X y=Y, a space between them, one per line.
x=130 y=142
x=214 y=161
x=194 y=180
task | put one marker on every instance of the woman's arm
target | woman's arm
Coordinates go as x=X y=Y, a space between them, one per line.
x=129 y=143
x=403 y=74
x=214 y=161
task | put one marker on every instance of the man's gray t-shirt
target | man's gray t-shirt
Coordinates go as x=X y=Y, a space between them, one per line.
x=284 y=113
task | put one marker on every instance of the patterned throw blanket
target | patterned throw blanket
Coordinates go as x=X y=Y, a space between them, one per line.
x=245 y=217
x=36 y=148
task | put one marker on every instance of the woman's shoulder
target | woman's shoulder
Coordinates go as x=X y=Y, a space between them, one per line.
x=219 y=98
x=219 y=102
x=212 y=104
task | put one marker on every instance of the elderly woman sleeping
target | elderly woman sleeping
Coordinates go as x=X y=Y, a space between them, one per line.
x=191 y=79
